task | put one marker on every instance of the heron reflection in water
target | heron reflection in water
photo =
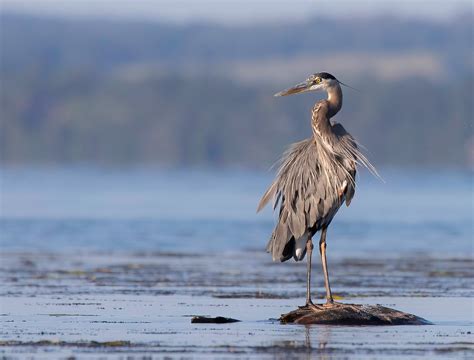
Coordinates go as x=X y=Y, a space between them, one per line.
x=316 y=176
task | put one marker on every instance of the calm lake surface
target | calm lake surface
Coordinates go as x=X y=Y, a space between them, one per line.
x=68 y=209
x=113 y=263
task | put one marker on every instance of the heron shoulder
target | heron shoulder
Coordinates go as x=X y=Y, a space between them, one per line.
x=340 y=131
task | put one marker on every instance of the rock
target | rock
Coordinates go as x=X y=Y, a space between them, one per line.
x=351 y=314
x=212 y=320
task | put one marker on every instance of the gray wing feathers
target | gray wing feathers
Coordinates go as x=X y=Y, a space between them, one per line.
x=350 y=191
x=269 y=194
x=301 y=188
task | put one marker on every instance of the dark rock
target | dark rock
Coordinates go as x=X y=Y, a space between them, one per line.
x=212 y=320
x=351 y=314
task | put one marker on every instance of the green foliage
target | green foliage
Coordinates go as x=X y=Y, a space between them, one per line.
x=170 y=120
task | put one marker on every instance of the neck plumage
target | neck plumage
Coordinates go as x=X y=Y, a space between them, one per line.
x=321 y=114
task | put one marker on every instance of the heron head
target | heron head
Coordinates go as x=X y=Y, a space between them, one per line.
x=316 y=82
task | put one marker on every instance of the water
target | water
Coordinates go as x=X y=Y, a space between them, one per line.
x=113 y=263
x=69 y=209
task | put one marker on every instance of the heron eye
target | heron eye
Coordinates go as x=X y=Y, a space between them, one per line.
x=317 y=80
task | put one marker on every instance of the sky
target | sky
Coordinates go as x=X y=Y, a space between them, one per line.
x=237 y=11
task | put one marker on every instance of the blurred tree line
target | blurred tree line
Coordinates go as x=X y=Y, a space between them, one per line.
x=78 y=92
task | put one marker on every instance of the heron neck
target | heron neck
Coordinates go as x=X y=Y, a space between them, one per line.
x=334 y=100
x=320 y=121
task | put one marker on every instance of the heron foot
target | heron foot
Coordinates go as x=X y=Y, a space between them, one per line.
x=308 y=304
x=311 y=306
x=331 y=303
x=315 y=307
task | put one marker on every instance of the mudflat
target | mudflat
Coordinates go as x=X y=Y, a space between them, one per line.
x=136 y=304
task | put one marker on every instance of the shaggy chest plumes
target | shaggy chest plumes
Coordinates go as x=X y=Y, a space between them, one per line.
x=337 y=151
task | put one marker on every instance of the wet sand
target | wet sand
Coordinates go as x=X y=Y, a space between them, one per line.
x=139 y=305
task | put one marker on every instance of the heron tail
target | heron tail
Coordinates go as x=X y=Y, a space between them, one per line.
x=275 y=249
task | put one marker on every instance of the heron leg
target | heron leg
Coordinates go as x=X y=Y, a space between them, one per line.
x=309 y=252
x=322 y=251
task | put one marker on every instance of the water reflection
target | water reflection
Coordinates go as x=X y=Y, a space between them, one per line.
x=322 y=335
x=314 y=345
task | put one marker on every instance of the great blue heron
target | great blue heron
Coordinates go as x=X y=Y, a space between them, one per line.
x=315 y=177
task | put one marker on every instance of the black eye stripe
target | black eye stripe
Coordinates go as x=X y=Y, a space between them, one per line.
x=318 y=78
x=326 y=75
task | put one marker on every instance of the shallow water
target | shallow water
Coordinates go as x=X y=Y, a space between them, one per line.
x=113 y=264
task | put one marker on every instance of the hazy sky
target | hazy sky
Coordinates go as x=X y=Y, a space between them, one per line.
x=237 y=11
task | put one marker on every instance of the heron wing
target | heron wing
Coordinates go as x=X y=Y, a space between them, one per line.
x=311 y=184
x=304 y=200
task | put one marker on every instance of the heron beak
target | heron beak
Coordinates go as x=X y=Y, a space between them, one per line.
x=302 y=87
